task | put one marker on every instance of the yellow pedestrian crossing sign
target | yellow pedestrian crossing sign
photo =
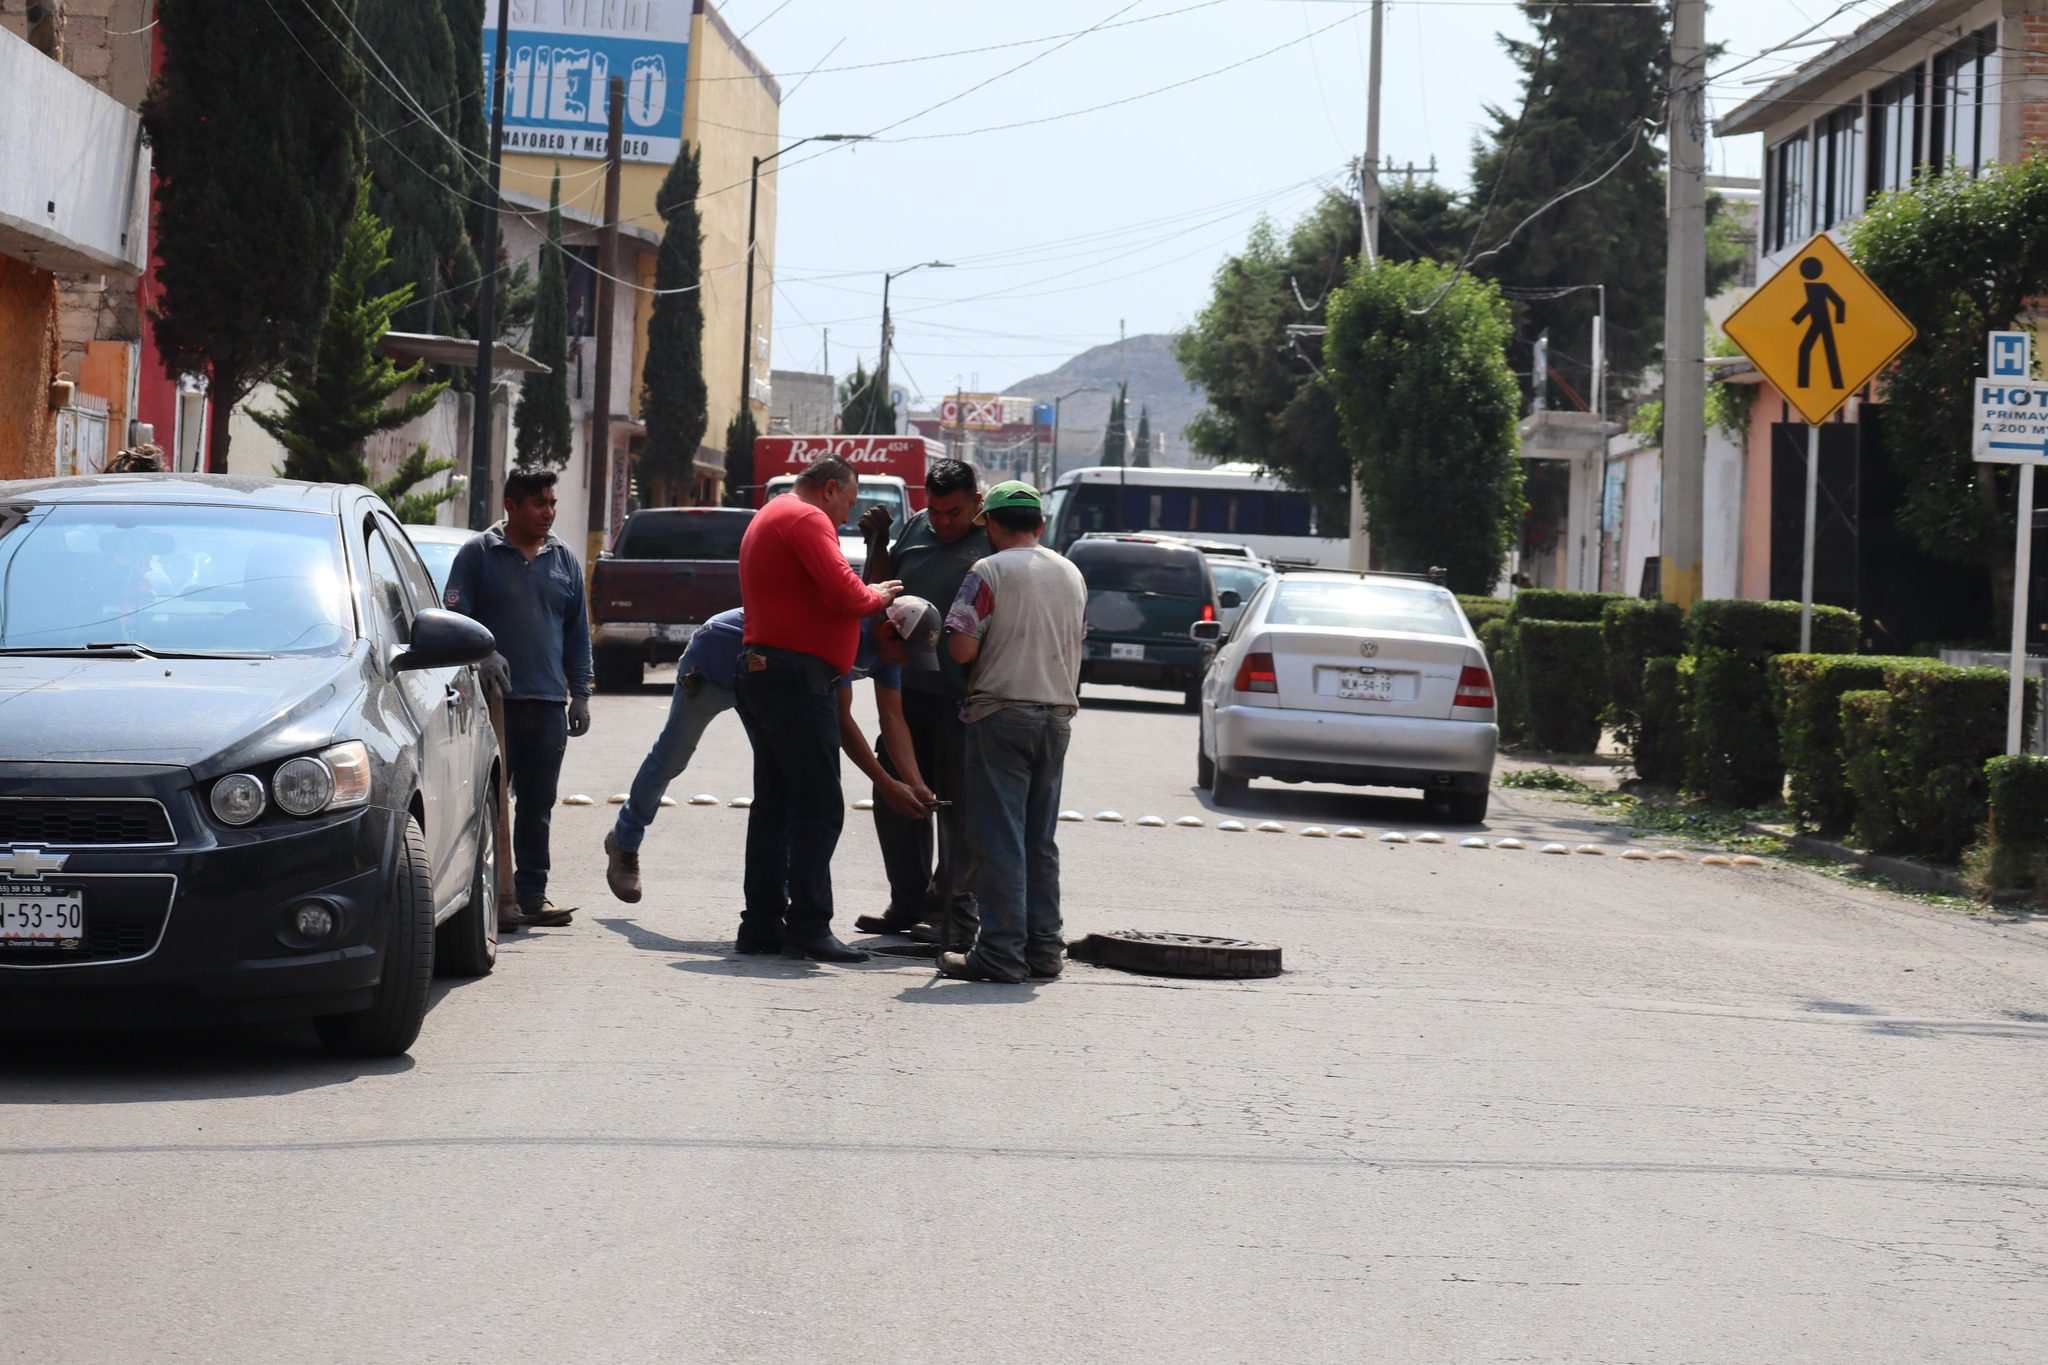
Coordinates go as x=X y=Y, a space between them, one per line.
x=1819 y=329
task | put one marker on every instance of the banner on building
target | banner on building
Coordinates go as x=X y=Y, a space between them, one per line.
x=560 y=55
x=985 y=411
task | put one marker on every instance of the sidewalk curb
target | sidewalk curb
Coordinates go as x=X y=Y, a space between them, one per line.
x=1919 y=876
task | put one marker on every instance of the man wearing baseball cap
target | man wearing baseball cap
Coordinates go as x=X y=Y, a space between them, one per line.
x=1018 y=623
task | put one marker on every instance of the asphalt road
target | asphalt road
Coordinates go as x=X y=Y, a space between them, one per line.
x=1502 y=1107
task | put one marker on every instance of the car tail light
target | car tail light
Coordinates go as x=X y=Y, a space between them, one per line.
x=1208 y=612
x=1255 y=674
x=1475 y=688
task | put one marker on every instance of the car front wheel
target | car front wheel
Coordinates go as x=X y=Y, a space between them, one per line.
x=1230 y=789
x=1205 y=767
x=392 y=1022
x=1467 y=808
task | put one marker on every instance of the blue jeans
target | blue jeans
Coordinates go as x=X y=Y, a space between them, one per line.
x=1016 y=759
x=790 y=707
x=536 y=736
x=696 y=703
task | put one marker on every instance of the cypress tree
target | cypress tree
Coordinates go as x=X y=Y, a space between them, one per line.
x=864 y=408
x=335 y=403
x=673 y=399
x=1115 y=440
x=544 y=422
x=1142 y=457
x=739 y=459
x=257 y=158
x=1592 y=79
x=417 y=166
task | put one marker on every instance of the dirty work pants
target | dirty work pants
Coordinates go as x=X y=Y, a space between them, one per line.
x=918 y=886
x=791 y=710
x=1016 y=759
x=697 y=702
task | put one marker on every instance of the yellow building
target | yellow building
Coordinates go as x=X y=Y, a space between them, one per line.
x=725 y=101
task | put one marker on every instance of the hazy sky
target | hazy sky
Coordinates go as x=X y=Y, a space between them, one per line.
x=1062 y=228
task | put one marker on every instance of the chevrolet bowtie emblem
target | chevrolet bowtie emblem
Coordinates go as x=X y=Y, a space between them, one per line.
x=30 y=861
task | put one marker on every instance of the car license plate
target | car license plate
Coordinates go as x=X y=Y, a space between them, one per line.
x=1365 y=686
x=678 y=635
x=41 y=915
x=1136 y=652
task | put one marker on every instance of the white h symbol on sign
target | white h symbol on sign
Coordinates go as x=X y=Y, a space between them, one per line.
x=2009 y=358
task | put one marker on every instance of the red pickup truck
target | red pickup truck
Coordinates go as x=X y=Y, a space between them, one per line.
x=670 y=570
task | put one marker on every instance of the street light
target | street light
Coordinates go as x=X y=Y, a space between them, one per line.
x=753 y=218
x=1085 y=388
x=881 y=379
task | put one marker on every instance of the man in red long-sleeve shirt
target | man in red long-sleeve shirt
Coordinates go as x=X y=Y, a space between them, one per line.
x=804 y=605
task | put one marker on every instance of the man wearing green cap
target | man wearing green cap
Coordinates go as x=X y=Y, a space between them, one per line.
x=1018 y=622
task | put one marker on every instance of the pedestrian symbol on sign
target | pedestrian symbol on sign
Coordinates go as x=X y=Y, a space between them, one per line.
x=1820 y=327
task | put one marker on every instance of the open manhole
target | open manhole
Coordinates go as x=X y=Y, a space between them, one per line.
x=1178 y=954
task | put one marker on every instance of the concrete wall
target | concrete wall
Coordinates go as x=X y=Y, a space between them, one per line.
x=28 y=361
x=76 y=201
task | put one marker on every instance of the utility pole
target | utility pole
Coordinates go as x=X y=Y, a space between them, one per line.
x=1360 y=554
x=1685 y=325
x=480 y=422
x=607 y=288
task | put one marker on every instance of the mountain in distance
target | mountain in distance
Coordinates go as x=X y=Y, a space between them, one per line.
x=1156 y=382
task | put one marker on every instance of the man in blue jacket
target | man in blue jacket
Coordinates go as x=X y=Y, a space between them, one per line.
x=523 y=583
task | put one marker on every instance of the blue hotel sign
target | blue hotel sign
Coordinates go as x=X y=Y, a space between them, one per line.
x=560 y=55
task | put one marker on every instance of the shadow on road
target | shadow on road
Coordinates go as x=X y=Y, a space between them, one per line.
x=717 y=958
x=1338 y=808
x=131 y=1066
x=941 y=991
x=1168 y=704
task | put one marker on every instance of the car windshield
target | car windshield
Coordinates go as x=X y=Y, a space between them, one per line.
x=1138 y=566
x=440 y=558
x=684 y=535
x=175 y=579
x=1242 y=579
x=886 y=495
x=1365 y=606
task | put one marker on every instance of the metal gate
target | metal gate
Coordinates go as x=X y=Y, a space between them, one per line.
x=81 y=437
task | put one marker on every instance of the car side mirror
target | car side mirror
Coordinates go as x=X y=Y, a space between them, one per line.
x=1208 y=631
x=445 y=639
x=1228 y=599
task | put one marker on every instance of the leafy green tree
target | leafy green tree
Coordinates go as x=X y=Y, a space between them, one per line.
x=1961 y=256
x=336 y=401
x=1115 y=437
x=545 y=424
x=739 y=459
x=864 y=407
x=1141 y=457
x=1416 y=359
x=412 y=115
x=419 y=509
x=1593 y=79
x=673 y=398
x=256 y=160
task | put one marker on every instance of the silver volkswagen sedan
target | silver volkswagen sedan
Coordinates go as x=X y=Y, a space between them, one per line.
x=1367 y=680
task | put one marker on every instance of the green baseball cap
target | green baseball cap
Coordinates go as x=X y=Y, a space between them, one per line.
x=1008 y=493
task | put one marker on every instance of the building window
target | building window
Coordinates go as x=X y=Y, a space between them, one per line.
x=1837 y=167
x=1895 y=133
x=1965 y=103
x=1785 y=188
x=579 y=269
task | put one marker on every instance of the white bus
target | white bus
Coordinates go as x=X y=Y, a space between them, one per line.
x=1232 y=502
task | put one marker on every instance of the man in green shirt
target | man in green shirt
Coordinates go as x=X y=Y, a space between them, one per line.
x=932 y=557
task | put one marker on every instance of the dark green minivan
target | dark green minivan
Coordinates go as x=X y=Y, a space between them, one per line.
x=1145 y=595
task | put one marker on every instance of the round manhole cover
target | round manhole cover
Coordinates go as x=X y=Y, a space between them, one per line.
x=1198 y=955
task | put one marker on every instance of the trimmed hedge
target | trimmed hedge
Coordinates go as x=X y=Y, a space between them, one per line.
x=1866 y=724
x=1809 y=708
x=1635 y=630
x=1555 y=659
x=1947 y=723
x=1734 y=756
x=1551 y=604
x=1507 y=691
x=1660 y=737
x=1512 y=679
x=2018 y=835
x=1480 y=610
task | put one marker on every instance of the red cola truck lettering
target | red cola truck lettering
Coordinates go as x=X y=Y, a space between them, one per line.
x=904 y=457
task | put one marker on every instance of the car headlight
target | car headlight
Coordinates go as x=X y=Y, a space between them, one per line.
x=333 y=780
x=238 y=798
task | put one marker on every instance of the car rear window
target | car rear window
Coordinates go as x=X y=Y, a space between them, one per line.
x=685 y=535
x=1365 y=606
x=1135 y=566
x=1242 y=579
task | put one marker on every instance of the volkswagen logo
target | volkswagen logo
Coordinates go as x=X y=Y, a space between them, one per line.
x=1370 y=649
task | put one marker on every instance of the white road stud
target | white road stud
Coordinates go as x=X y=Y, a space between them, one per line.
x=578 y=800
x=1072 y=817
x=703 y=799
x=667 y=802
x=1271 y=827
x=741 y=803
x=1671 y=855
x=1750 y=860
x=1393 y=836
x=1509 y=843
x=1634 y=855
x=1594 y=849
x=1151 y=822
x=1191 y=822
x=1351 y=832
x=1314 y=832
x=616 y=799
x=1553 y=848
x=1429 y=838
x=1473 y=843
x=865 y=803
x=1232 y=826
x=1109 y=817
x=1716 y=860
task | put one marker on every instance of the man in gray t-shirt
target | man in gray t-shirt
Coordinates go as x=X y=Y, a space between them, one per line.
x=1018 y=622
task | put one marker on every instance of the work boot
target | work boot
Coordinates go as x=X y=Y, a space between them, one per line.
x=823 y=948
x=510 y=918
x=888 y=922
x=545 y=913
x=961 y=967
x=1046 y=966
x=622 y=870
